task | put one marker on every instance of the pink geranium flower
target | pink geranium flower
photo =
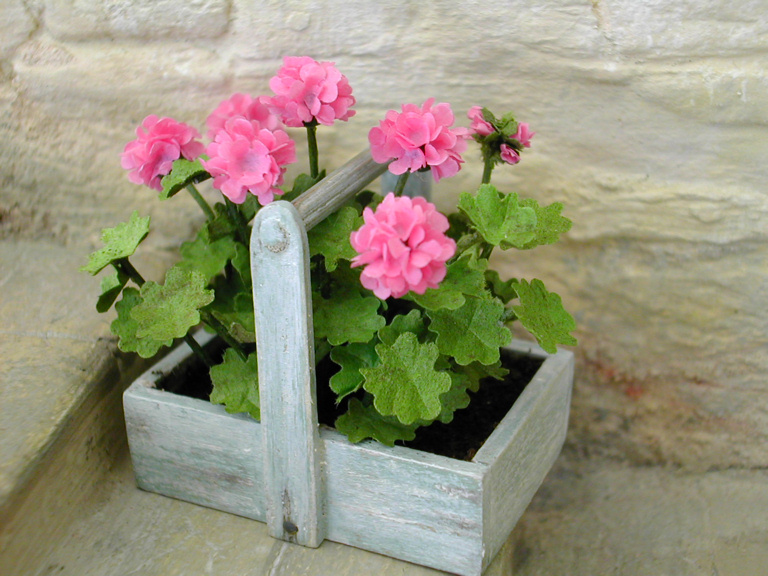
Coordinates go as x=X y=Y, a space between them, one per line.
x=246 y=157
x=242 y=105
x=509 y=154
x=523 y=134
x=307 y=90
x=159 y=142
x=479 y=125
x=402 y=246
x=419 y=138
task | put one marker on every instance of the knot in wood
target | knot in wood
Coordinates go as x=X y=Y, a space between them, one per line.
x=274 y=236
x=290 y=527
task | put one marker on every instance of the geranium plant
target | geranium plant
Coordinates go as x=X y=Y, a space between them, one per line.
x=405 y=304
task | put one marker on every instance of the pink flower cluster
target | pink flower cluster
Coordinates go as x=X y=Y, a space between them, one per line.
x=479 y=125
x=419 y=138
x=159 y=142
x=402 y=246
x=245 y=106
x=307 y=90
x=245 y=157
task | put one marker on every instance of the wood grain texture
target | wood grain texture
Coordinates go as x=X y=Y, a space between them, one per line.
x=192 y=450
x=430 y=510
x=337 y=188
x=523 y=448
x=404 y=503
x=282 y=298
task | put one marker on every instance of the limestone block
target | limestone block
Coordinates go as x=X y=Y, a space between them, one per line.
x=146 y=19
x=394 y=51
x=104 y=81
x=660 y=29
x=733 y=92
x=16 y=24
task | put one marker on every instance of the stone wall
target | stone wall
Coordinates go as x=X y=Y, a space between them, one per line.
x=651 y=126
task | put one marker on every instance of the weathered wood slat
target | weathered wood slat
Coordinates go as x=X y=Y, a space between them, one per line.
x=283 y=304
x=190 y=449
x=430 y=510
x=337 y=188
x=523 y=448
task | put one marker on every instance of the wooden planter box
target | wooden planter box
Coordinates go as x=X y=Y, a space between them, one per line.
x=308 y=483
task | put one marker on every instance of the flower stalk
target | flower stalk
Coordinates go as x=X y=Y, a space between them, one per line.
x=314 y=154
x=401 y=182
x=487 y=169
x=204 y=206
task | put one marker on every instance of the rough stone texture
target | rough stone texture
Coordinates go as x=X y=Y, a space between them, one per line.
x=652 y=134
x=140 y=19
x=589 y=517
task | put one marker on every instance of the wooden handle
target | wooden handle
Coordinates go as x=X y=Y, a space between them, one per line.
x=327 y=196
x=282 y=299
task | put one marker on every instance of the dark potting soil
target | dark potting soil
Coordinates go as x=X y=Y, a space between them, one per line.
x=460 y=439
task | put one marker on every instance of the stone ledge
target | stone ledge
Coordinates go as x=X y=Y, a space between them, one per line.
x=59 y=399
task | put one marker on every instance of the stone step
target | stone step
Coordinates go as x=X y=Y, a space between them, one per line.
x=69 y=505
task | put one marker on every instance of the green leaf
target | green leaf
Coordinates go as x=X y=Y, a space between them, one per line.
x=111 y=287
x=206 y=256
x=331 y=237
x=301 y=184
x=347 y=316
x=459 y=225
x=550 y=223
x=361 y=422
x=242 y=263
x=543 y=315
x=119 y=242
x=169 y=311
x=125 y=328
x=236 y=314
x=412 y=322
x=463 y=277
x=351 y=358
x=233 y=305
x=475 y=372
x=221 y=225
x=504 y=290
x=499 y=218
x=405 y=384
x=184 y=172
x=251 y=205
x=456 y=398
x=473 y=333
x=236 y=384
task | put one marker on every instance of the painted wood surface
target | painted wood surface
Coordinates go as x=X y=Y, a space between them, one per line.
x=282 y=296
x=431 y=510
x=337 y=188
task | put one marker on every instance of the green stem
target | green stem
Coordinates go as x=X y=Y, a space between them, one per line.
x=314 y=154
x=465 y=243
x=238 y=220
x=401 y=182
x=209 y=214
x=124 y=265
x=223 y=333
x=199 y=350
x=486 y=251
x=487 y=170
x=508 y=316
